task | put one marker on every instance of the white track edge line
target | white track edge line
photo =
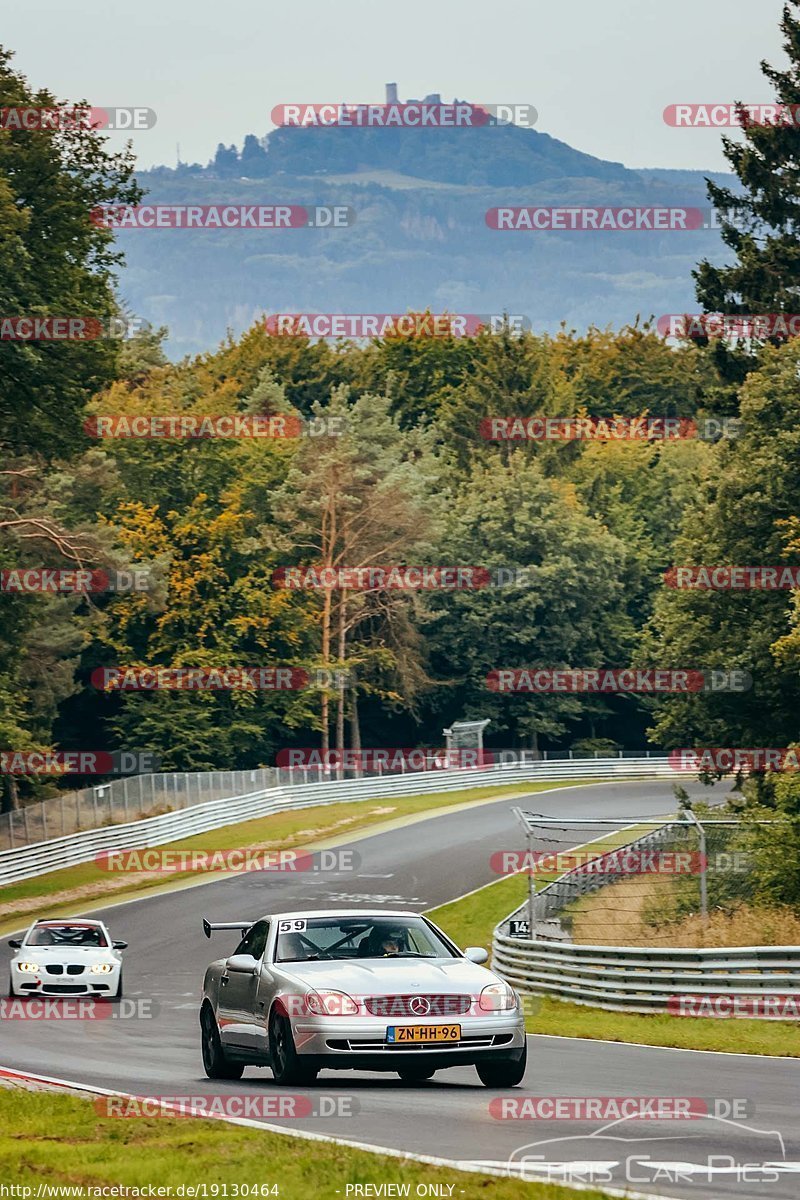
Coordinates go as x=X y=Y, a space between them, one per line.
x=566 y=1037
x=248 y=1123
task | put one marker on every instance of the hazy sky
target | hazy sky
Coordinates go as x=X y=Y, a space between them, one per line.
x=600 y=72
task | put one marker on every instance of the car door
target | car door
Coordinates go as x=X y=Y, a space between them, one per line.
x=238 y=991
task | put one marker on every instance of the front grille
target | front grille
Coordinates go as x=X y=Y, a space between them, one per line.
x=400 y=1006
x=370 y=1045
x=65 y=989
x=75 y=969
x=54 y=969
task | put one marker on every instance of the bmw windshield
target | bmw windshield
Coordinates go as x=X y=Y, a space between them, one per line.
x=337 y=938
x=67 y=935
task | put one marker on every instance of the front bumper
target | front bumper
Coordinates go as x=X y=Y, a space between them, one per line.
x=359 y=1042
x=44 y=983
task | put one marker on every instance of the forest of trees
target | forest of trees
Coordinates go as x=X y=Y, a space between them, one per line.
x=596 y=525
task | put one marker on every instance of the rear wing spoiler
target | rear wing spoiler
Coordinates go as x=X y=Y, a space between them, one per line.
x=209 y=927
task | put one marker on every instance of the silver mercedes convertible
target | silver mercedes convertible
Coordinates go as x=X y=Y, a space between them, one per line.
x=353 y=990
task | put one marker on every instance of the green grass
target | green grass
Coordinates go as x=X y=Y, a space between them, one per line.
x=76 y=889
x=733 y=1035
x=60 y=1140
x=471 y=921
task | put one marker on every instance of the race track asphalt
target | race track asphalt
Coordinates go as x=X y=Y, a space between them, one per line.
x=420 y=866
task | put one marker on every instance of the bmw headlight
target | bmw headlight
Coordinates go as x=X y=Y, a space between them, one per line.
x=331 y=1004
x=30 y=968
x=101 y=968
x=498 y=997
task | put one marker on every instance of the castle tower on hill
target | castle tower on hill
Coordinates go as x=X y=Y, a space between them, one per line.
x=391 y=96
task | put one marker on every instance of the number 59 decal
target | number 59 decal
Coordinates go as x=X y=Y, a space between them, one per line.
x=296 y=926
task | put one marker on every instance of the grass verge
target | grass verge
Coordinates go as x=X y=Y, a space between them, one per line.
x=77 y=889
x=470 y=922
x=58 y=1140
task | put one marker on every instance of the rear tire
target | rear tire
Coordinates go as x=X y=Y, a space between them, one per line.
x=416 y=1074
x=215 y=1063
x=287 y=1065
x=503 y=1074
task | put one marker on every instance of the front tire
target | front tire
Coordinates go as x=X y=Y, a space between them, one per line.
x=287 y=1065
x=215 y=1063
x=503 y=1074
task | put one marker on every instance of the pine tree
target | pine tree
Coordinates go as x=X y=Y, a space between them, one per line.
x=761 y=224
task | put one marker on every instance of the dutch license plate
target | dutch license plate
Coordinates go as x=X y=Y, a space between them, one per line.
x=423 y=1033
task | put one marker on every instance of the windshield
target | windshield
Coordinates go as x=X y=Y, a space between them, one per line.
x=362 y=937
x=67 y=935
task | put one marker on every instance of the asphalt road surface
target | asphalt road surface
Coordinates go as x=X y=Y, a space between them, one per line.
x=418 y=867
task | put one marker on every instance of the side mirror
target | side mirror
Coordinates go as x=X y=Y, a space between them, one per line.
x=120 y=945
x=476 y=954
x=15 y=943
x=243 y=963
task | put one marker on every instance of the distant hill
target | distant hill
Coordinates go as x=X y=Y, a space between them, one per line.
x=420 y=237
x=498 y=156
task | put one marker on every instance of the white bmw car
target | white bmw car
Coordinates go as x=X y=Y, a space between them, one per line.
x=343 y=990
x=67 y=958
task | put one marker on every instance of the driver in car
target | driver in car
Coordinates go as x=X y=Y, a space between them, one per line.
x=387 y=941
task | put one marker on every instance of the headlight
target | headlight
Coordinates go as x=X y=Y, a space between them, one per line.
x=28 y=967
x=331 y=1004
x=498 y=997
x=101 y=968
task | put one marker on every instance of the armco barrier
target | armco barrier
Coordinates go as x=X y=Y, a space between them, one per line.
x=640 y=979
x=26 y=862
x=643 y=979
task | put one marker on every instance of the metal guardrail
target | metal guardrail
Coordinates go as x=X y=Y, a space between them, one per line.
x=638 y=979
x=589 y=877
x=123 y=800
x=135 y=796
x=26 y=862
x=634 y=979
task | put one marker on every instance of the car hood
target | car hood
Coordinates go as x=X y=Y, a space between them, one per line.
x=62 y=954
x=390 y=976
